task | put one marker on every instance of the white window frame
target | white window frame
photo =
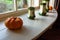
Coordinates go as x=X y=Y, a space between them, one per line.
x=14 y=12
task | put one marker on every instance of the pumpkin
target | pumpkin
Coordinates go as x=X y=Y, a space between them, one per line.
x=50 y=7
x=13 y=23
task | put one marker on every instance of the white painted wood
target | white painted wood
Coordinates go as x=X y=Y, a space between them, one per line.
x=15 y=5
x=31 y=28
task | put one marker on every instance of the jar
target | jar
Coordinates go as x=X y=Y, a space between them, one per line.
x=47 y=4
x=31 y=12
x=42 y=9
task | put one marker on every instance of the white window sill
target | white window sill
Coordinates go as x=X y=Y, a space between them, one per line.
x=31 y=29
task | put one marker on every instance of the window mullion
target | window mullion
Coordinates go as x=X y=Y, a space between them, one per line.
x=40 y=2
x=15 y=5
x=32 y=2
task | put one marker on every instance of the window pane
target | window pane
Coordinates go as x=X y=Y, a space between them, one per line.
x=51 y=3
x=21 y=3
x=25 y=3
x=6 y=5
x=34 y=3
x=29 y=3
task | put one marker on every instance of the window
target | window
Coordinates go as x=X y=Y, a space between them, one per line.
x=21 y=3
x=13 y=5
x=9 y=5
x=52 y=3
x=35 y=3
x=6 y=5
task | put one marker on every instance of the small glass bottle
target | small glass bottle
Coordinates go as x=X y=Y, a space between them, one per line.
x=42 y=9
x=31 y=12
x=47 y=4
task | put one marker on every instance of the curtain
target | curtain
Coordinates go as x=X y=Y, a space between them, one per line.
x=56 y=4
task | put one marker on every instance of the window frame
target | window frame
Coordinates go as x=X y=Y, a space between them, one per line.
x=15 y=12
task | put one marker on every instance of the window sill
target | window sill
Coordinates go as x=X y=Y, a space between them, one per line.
x=29 y=32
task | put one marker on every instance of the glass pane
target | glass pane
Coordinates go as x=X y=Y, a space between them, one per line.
x=6 y=5
x=21 y=4
x=29 y=3
x=25 y=3
x=51 y=3
x=36 y=3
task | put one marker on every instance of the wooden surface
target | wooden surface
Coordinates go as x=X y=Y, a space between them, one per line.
x=31 y=28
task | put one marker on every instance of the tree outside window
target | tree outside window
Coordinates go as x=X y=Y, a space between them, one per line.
x=8 y=5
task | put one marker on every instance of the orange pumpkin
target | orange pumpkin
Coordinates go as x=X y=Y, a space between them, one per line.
x=50 y=7
x=13 y=23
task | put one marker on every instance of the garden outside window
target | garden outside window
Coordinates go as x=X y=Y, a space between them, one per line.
x=10 y=5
